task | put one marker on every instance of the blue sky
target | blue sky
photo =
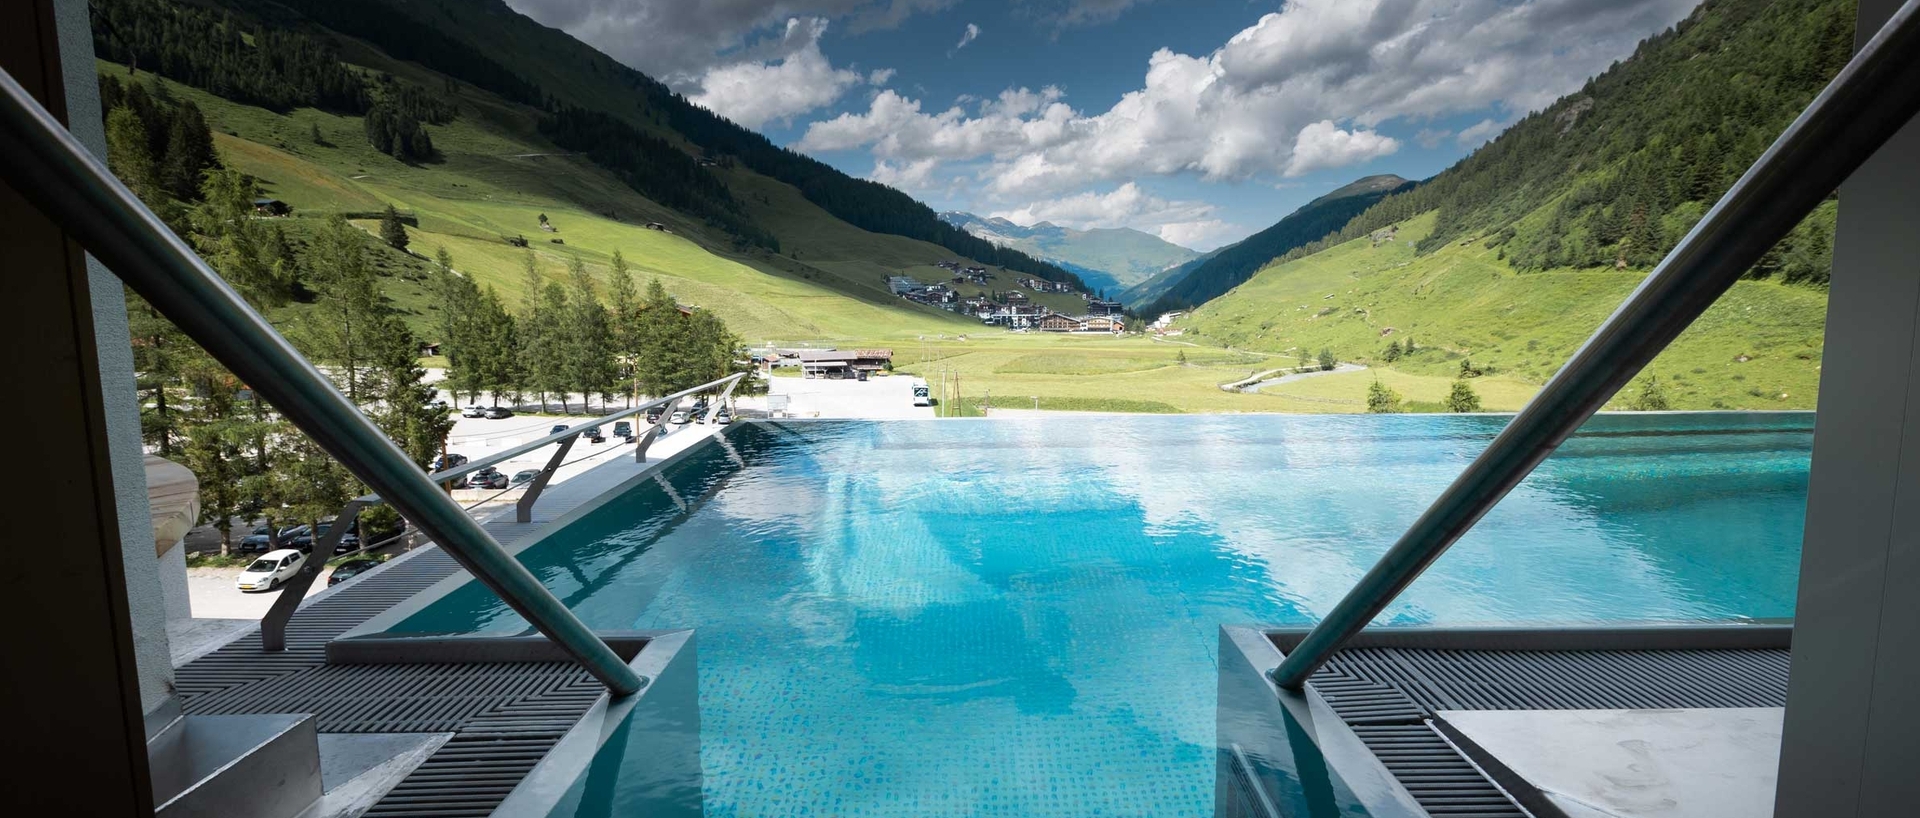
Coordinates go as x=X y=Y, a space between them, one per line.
x=1198 y=121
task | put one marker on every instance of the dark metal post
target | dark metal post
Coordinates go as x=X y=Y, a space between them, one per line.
x=523 y=509
x=1872 y=98
x=666 y=416
x=273 y=626
x=54 y=172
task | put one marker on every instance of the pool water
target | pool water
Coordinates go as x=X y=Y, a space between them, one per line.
x=1020 y=617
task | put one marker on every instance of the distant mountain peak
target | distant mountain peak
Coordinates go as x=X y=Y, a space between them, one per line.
x=1363 y=186
x=1109 y=259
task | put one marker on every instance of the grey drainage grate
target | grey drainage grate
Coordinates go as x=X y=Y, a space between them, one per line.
x=1388 y=697
x=505 y=717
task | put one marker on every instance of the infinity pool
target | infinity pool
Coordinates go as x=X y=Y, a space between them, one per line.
x=1019 y=617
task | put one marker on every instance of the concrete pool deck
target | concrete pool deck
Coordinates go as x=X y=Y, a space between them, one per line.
x=1583 y=722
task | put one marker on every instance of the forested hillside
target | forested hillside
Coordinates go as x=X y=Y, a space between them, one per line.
x=1235 y=264
x=636 y=127
x=1614 y=175
x=463 y=38
x=1507 y=260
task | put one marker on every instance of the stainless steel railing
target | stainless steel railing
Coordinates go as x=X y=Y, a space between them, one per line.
x=1873 y=97
x=273 y=625
x=51 y=169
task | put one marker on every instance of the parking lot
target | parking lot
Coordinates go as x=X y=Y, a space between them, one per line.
x=211 y=589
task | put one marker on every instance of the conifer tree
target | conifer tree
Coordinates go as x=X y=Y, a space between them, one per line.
x=129 y=156
x=393 y=231
x=1381 y=400
x=341 y=330
x=624 y=313
x=1462 y=398
x=1651 y=398
x=589 y=338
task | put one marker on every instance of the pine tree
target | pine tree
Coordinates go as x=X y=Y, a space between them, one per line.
x=625 y=316
x=129 y=155
x=589 y=337
x=538 y=347
x=1382 y=400
x=189 y=153
x=339 y=332
x=404 y=408
x=393 y=231
x=1393 y=352
x=255 y=260
x=662 y=339
x=461 y=339
x=1462 y=398
x=1651 y=397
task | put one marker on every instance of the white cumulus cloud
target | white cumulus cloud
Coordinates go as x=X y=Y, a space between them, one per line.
x=880 y=76
x=1323 y=145
x=754 y=92
x=1187 y=223
x=1304 y=88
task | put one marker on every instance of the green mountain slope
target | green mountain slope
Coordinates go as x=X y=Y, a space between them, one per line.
x=493 y=167
x=1758 y=348
x=1616 y=173
x=1511 y=257
x=1237 y=263
x=569 y=74
x=1148 y=291
x=1107 y=259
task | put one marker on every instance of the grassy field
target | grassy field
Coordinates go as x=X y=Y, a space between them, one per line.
x=1758 y=348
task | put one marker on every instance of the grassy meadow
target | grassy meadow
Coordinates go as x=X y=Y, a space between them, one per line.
x=1758 y=348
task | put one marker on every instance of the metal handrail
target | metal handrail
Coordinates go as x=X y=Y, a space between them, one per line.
x=45 y=164
x=1873 y=97
x=472 y=466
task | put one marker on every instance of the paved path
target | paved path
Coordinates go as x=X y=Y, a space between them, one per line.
x=1301 y=376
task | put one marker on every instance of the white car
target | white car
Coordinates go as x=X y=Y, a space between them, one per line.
x=680 y=418
x=271 y=569
x=474 y=410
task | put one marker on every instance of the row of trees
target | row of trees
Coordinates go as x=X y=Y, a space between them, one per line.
x=257 y=65
x=1383 y=400
x=564 y=340
x=250 y=462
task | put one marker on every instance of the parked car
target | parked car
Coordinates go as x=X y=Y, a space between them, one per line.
x=270 y=570
x=523 y=477
x=594 y=435
x=653 y=415
x=498 y=413
x=722 y=417
x=350 y=569
x=558 y=428
x=474 y=410
x=623 y=430
x=305 y=539
x=440 y=405
x=296 y=537
x=680 y=418
x=260 y=539
x=488 y=478
x=448 y=461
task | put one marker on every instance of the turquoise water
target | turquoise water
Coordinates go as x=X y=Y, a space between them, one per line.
x=1020 y=618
